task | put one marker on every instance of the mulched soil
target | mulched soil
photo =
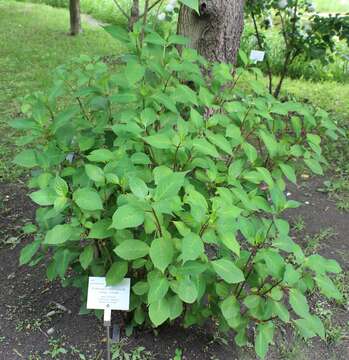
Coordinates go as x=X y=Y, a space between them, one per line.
x=26 y=298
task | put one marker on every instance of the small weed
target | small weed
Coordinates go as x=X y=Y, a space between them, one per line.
x=2 y=339
x=291 y=351
x=338 y=190
x=139 y=353
x=75 y=351
x=56 y=349
x=34 y=356
x=343 y=204
x=342 y=283
x=334 y=332
x=29 y=325
x=313 y=243
x=178 y=354
x=298 y=224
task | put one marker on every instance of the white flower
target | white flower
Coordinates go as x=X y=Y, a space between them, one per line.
x=173 y=2
x=169 y=8
x=270 y=21
x=311 y=8
x=282 y=4
x=162 y=16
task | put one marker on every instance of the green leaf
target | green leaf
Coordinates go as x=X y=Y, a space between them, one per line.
x=101 y=230
x=176 y=307
x=204 y=147
x=63 y=258
x=187 y=290
x=314 y=166
x=252 y=301
x=177 y=40
x=289 y=172
x=59 y=235
x=132 y=249
x=158 y=287
x=230 y=307
x=86 y=256
x=250 y=152
x=169 y=186
x=229 y=240
x=26 y=158
x=155 y=38
x=23 y=124
x=193 y=4
x=310 y=327
x=95 y=173
x=28 y=252
x=101 y=155
x=159 y=311
x=299 y=303
x=88 y=199
x=291 y=276
x=166 y=101
x=198 y=204
x=127 y=216
x=228 y=271
x=192 y=247
x=140 y=288
x=44 y=197
x=265 y=334
x=281 y=311
x=183 y=94
x=327 y=287
x=134 y=72
x=116 y=273
x=270 y=143
x=159 y=141
x=117 y=32
x=220 y=141
x=266 y=176
x=235 y=169
x=304 y=328
x=138 y=187
x=123 y=98
x=161 y=253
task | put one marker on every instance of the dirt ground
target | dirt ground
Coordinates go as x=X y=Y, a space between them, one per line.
x=39 y=320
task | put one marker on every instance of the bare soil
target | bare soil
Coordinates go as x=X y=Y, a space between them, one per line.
x=26 y=297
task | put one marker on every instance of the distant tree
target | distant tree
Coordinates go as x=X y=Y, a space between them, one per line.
x=75 y=19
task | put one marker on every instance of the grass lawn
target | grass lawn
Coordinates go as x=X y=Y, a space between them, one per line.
x=332 y=6
x=34 y=42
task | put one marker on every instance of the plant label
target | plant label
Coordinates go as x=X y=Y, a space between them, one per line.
x=103 y=297
x=257 y=55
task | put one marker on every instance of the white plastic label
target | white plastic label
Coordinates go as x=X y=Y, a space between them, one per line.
x=101 y=297
x=257 y=55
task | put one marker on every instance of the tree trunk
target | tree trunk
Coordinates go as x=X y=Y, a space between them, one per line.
x=75 y=21
x=134 y=14
x=217 y=31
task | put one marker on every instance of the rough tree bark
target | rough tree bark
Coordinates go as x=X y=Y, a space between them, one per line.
x=75 y=20
x=134 y=14
x=217 y=31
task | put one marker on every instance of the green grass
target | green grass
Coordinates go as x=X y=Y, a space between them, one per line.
x=103 y=10
x=332 y=6
x=34 y=42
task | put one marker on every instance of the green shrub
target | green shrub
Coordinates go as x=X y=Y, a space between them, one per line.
x=170 y=174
